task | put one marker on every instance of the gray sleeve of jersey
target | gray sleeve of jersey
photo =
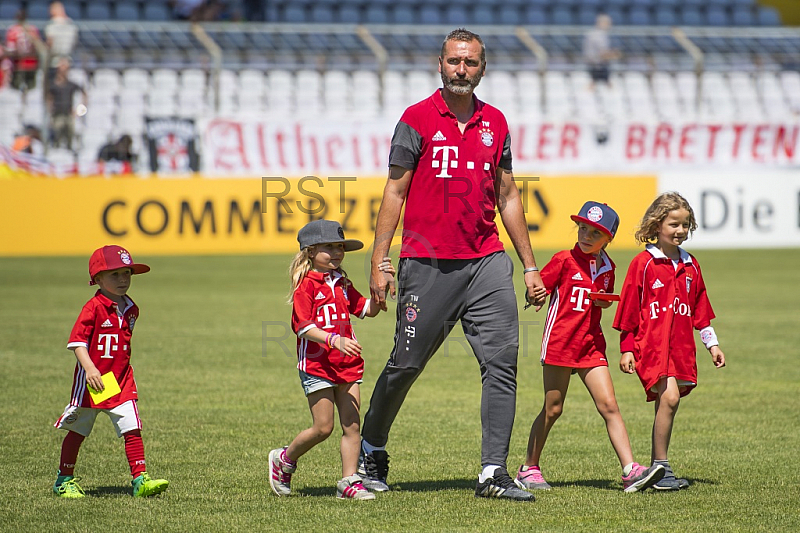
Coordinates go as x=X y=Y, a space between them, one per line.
x=406 y=147
x=505 y=159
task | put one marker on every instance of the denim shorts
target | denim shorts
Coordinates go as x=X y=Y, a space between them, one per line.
x=313 y=383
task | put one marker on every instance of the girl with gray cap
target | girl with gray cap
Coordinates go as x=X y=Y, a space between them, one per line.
x=328 y=353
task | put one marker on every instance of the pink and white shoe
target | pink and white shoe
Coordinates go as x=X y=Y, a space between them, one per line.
x=640 y=477
x=530 y=477
x=281 y=470
x=350 y=488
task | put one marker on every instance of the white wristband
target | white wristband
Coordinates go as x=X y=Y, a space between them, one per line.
x=709 y=337
x=530 y=269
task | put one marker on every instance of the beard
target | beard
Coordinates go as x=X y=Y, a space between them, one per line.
x=461 y=89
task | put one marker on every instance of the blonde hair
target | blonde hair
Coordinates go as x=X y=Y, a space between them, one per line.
x=658 y=211
x=300 y=267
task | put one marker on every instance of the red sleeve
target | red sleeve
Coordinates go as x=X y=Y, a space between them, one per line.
x=551 y=273
x=302 y=309
x=356 y=302
x=703 y=313
x=626 y=341
x=627 y=317
x=84 y=326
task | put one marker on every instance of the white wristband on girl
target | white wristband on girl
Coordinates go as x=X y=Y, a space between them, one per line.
x=709 y=337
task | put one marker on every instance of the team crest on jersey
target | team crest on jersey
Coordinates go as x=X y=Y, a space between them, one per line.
x=606 y=281
x=125 y=257
x=688 y=284
x=132 y=321
x=487 y=137
x=411 y=312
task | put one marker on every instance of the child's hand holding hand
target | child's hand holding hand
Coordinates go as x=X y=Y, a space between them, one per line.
x=387 y=268
x=627 y=363
x=717 y=356
x=348 y=346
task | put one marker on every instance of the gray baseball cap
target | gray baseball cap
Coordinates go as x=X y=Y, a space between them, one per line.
x=323 y=231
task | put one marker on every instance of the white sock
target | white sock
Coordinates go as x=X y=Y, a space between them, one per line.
x=369 y=448
x=488 y=471
x=627 y=469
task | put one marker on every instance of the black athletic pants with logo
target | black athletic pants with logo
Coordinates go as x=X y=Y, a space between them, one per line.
x=433 y=295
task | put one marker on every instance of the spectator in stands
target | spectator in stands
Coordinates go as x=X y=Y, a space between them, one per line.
x=61 y=34
x=30 y=142
x=21 y=48
x=119 y=154
x=198 y=10
x=60 y=96
x=597 y=49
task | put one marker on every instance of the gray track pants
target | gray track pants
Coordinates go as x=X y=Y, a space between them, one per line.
x=433 y=296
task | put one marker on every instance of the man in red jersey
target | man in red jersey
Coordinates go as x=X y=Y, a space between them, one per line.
x=450 y=164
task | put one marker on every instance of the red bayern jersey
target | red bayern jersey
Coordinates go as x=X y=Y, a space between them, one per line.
x=17 y=40
x=323 y=301
x=451 y=199
x=661 y=302
x=105 y=331
x=572 y=335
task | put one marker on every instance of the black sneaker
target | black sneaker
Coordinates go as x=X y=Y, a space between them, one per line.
x=502 y=486
x=670 y=481
x=373 y=469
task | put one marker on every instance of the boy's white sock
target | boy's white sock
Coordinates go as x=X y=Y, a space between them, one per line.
x=627 y=469
x=488 y=471
x=369 y=448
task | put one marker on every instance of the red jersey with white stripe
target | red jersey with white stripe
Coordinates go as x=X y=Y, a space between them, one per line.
x=661 y=302
x=17 y=40
x=321 y=300
x=105 y=331
x=451 y=199
x=573 y=336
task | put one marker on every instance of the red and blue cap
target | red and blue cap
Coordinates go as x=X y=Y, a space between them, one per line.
x=599 y=216
x=113 y=257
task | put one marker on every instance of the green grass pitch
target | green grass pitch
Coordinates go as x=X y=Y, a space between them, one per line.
x=215 y=398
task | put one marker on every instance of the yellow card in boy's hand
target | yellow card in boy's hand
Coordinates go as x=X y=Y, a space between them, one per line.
x=111 y=389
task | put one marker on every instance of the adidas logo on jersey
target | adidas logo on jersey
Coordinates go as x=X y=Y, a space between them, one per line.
x=577 y=277
x=319 y=296
x=107 y=324
x=439 y=137
x=657 y=284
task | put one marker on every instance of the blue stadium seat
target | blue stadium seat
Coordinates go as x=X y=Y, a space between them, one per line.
x=376 y=14
x=37 y=9
x=349 y=14
x=430 y=14
x=691 y=16
x=665 y=16
x=484 y=14
x=456 y=15
x=645 y=3
x=562 y=15
x=768 y=16
x=639 y=16
x=98 y=11
x=743 y=16
x=73 y=8
x=403 y=14
x=127 y=11
x=748 y=3
x=717 y=16
x=695 y=3
x=616 y=14
x=8 y=10
x=590 y=4
x=534 y=16
x=156 y=12
x=673 y=3
x=322 y=13
x=508 y=14
x=587 y=15
x=294 y=13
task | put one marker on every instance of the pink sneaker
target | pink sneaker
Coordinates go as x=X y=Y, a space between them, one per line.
x=641 y=478
x=350 y=488
x=530 y=477
x=281 y=470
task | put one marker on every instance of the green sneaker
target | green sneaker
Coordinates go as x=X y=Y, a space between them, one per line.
x=143 y=486
x=67 y=487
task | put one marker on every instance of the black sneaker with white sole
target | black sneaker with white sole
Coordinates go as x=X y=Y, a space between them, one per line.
x=502 y=486
x=373 y=469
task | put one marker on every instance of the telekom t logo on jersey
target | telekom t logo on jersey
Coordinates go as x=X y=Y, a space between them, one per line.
x=579 y=298
x=106 y=345
x=445 y=163
x=329 y=313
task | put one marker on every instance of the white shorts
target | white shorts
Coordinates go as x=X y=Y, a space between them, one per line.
x=124 y=417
